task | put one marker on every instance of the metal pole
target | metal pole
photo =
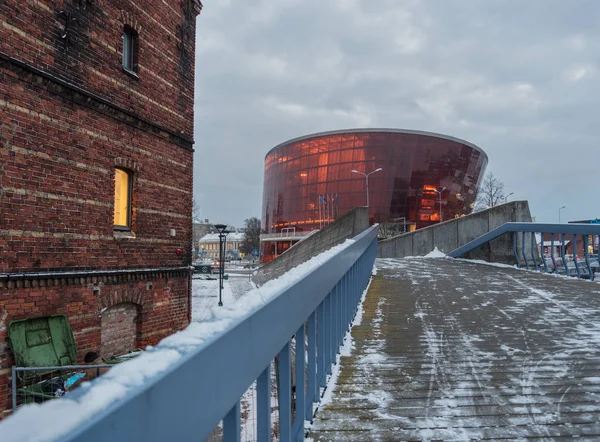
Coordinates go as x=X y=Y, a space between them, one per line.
x=367 y=179
x=220 y=269
x=440 y=206
x=13 y=381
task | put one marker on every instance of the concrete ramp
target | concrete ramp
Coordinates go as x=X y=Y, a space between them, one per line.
x=452 y=234
x=453 y=350
x=347 y=226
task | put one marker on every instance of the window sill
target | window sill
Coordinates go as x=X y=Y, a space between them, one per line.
x=124 y=234
x=131 y=73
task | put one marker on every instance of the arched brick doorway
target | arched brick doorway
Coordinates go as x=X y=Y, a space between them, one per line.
x=120 y=329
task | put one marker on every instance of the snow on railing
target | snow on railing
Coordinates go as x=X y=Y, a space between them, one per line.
x=193 y=380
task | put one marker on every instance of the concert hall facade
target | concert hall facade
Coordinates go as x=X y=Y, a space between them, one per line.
x=311 y=180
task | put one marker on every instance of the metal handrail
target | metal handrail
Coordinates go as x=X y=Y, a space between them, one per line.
x=585 y=230
x=280 y=235
x=208 y=382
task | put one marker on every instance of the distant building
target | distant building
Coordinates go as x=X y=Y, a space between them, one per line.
x=208 y=246
x=419 y=179
x=96 y=165
x=200 y=229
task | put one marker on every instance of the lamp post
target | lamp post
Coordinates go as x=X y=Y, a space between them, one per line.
x=439 y=192
x=506 y=197
x=563 y=207
x=222 y=229
x=366 y=175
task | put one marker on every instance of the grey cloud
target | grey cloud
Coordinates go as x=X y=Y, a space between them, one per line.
x=518 y=78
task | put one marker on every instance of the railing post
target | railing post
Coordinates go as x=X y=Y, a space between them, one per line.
x=263 y=404
x=232 y=428
x=298 y=426
x=575 y=256
x=552 y=252
x=515 y=248
x=340 y=294
x=336 y=325
x=321 y=347
x=586 y=241
x=352 y=293
x=543 y=257
x=334 y=322
x=285 y=394
x=533 y=250
x=329 y=335
x=313 y=387
x=562 y=253
x=523 y=250
x=348 y=295
x=342 y=309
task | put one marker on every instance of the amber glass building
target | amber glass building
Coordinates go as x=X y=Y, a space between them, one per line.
x=309 y=181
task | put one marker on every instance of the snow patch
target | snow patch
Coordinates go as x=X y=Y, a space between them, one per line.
x=436 y=253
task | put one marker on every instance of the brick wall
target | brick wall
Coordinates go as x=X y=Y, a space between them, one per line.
x=119 y=331
x=33 y=30
x=160 y=301
x=58 y=181
x=69 y=115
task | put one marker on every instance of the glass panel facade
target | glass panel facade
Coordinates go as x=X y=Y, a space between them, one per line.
x=309 y=181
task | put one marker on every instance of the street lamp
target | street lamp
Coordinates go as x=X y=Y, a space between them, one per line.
x=366 y=175
x=439 y=192
x=222 y=229
x=506 y=197
x=563 y=207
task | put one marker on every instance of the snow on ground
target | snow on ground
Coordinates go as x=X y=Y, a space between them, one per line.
x=479 y=352
x=205 y=293
x=38 y=422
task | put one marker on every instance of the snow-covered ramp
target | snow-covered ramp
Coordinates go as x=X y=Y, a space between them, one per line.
x=453 y=350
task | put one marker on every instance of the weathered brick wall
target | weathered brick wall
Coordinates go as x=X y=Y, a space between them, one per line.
x=58 y=180
x=32 y=31
x=161 y=302
x=68 y=116
x=119 y=329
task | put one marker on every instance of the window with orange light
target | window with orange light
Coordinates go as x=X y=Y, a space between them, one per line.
x=122 y=209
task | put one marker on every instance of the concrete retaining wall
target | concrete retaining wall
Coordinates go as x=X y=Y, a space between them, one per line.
x=348 y=226
x=452 y=234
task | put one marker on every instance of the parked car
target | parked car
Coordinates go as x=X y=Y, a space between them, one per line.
x=206 y=266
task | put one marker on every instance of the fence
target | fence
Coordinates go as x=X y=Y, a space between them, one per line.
x=188 y=401
x=39 y=384
x=533 y=254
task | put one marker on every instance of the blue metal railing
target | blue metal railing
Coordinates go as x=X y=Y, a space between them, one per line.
x=534 y=256
x=190 y=399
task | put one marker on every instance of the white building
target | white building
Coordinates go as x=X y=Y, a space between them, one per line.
x=208 y=246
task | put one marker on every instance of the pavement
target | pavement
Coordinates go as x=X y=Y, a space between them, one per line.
x=205 y=291
x=454 y=350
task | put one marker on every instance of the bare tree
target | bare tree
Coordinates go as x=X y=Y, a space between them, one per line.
x=491 y=193
x=195 y=210
x=251 y=234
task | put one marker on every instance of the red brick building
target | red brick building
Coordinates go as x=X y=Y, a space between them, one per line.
x=96 y=151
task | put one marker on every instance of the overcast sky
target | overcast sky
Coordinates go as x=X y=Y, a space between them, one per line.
x=519 y=78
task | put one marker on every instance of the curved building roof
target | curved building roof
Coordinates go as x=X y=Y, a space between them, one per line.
x=367 y=130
